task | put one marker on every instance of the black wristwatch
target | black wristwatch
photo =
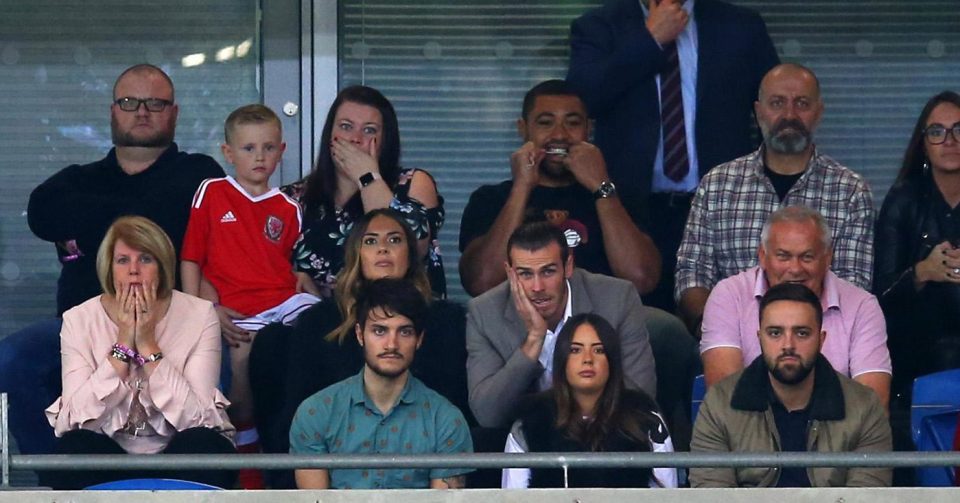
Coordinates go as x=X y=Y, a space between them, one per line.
x=606 y=190
x=366 y=179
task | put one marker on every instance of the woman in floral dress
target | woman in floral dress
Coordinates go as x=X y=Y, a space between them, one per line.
x=358 y=170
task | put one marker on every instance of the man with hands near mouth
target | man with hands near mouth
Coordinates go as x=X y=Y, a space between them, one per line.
x=574 y=193
x=670 y=84
x=556 y=173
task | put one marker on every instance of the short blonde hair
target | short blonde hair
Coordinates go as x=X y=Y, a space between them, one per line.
x=254 y=113
x=143 y=235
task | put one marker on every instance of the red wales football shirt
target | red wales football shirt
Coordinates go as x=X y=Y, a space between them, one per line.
x=243 y=244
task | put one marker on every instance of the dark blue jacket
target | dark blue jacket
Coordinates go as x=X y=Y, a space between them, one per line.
x=613 y=65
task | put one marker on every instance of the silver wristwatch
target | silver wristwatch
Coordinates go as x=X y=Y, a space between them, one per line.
x=606 y=190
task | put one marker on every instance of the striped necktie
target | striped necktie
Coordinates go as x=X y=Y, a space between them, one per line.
x=676 y=165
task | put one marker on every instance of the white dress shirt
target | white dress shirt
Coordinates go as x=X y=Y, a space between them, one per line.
x=687 y=45
x=549 y=343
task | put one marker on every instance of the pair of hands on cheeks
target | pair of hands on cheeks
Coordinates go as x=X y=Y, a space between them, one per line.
x=583 y=160
x=352 y=160
x=137 y=312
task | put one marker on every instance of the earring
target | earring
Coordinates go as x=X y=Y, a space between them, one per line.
x=926 y=166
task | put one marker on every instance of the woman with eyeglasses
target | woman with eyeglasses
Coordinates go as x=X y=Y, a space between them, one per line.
x=917 y=242
x=588 y=409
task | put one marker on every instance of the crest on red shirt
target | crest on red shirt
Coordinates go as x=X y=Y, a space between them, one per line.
x=273 y=229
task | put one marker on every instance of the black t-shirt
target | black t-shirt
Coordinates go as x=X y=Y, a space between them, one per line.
x=572 y=208
x=781 y=183
x=75 y=207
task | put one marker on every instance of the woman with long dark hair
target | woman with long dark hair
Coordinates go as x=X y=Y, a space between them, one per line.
x=323 y=347
x=589 y=409
x=917 y=242
x=358 y=170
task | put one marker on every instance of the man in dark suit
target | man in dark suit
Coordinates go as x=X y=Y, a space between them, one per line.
x=627 y=59
x=511 y=329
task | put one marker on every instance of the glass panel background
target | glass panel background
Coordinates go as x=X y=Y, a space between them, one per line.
x=457 y=70
x=58 y=63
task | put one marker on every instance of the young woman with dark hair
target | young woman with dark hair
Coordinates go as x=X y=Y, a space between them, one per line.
x=589 y=409
x=917 y=259
x=358 y=170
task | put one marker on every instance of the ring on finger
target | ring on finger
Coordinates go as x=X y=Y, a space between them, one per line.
x=956 y=270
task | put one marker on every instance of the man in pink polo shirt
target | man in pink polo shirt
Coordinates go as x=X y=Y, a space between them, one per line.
x=795 y=248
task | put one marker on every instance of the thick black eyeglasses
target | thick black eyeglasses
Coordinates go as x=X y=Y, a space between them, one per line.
x=131 y=104
x=937 y=134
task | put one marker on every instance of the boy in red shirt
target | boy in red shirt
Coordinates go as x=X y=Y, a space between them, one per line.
x=240 y=239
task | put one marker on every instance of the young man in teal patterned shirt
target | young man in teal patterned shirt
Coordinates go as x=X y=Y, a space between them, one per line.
x=383 y=409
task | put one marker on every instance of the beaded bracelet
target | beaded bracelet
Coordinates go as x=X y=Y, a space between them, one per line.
x=119 y=355
x=125 y=354
x=141 y=360
x=128 y=354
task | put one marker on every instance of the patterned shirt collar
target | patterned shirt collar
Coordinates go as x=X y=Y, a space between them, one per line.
x=757 y=160
x=358 y=394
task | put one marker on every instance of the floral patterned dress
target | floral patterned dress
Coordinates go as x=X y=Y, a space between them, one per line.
x=319 y=250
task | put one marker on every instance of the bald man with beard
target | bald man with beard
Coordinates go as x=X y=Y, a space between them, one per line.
x=734 y=199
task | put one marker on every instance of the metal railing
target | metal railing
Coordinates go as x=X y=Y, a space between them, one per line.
x=483 y=460
x=475 y=460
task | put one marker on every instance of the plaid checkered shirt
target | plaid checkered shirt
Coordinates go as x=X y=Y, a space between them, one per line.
x=734 y=199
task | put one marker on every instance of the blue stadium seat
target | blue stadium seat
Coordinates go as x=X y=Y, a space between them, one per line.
x=153 y=485
x=699 y=389
x=933 y=421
